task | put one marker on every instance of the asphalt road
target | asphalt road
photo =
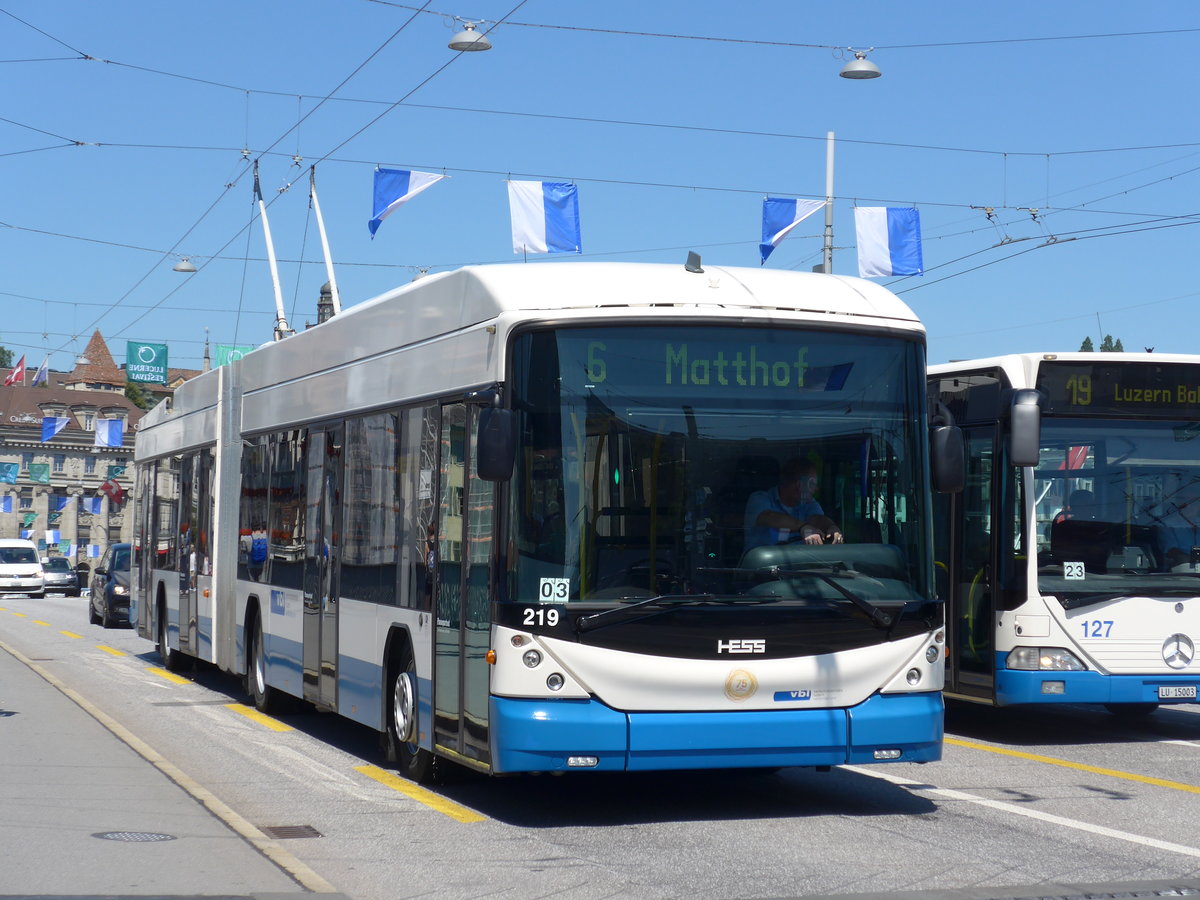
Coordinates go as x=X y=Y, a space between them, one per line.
x=1049 y=803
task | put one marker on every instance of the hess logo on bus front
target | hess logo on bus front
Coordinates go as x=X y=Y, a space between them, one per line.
x=743 y=645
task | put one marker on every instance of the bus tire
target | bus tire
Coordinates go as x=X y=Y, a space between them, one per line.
x=266 y=698
x=1131 y=710
x=413 y=762
x=172 y=660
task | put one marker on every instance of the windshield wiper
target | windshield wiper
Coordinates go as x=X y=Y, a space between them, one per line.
x=663 y=602
x=879 y=618
x=1076 y=602
x=597 y=620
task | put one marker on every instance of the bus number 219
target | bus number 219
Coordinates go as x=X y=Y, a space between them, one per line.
x=543 y=615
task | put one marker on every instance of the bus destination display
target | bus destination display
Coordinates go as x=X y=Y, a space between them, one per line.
x=1162 y=390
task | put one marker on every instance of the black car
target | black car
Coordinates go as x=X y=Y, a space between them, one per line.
x=109 y=604
x=60 y=577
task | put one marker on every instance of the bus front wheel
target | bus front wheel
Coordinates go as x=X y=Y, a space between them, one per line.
x=413 y=761
x=172 y=660
x=266 y=698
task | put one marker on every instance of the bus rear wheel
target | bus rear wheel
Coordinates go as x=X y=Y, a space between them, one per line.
x=413 y=761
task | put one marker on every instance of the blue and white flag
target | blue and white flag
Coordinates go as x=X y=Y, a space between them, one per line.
x=61 y=502
x=42 y=373
x=6 y=503
x=889 y=241
x=109 y=432
x=780 y=216
x=394 y=188
x=545 y=216
x=52 y=425
x=52 y=536
x=92 y=505
x=93 y=550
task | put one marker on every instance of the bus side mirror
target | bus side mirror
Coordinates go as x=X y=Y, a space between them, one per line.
x=1025 y=428
x=948 y=458
x=495 y=449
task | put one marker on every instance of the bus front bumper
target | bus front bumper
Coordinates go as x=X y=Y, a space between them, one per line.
x=1014 y=686
x=561 y=735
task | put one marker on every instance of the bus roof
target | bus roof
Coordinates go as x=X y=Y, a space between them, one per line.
x=1022 y=367
x=446 y=303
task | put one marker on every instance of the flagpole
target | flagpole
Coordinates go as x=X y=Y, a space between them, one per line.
x=312 y=192
x=282 y=329
x=827 y=254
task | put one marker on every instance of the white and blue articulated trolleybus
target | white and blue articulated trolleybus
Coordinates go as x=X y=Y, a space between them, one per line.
x=498 y=514
x=1071 y=560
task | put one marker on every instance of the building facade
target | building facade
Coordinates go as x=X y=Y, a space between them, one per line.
x=59 y=486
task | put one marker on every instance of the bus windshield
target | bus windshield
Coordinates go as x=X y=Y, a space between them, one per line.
x=1117 y=508
x=640 y=448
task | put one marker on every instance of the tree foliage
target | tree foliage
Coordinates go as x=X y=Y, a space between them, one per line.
x=138 y=396
x=1107 y=345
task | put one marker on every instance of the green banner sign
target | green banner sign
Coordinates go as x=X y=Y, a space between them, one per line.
x=146 y=362
x=39 y=473
x=227 y=353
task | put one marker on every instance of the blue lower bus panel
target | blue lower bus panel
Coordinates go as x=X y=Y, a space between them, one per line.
x=556 y=735
x=1015 y=686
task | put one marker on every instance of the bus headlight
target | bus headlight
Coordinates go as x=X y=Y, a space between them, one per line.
x=913 y=676
x=1044 y=659
x=932 y=654
x=555 y=682
x=532 y=658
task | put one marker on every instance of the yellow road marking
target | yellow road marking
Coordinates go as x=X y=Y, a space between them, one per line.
x=169 y=676
x=71 y=634
x=1082 y=767
x=418 y=793
x=111 y=650
x=21 y=615
x=40 y=622
x=255 y=716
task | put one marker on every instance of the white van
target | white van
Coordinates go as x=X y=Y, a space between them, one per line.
x=21 y=568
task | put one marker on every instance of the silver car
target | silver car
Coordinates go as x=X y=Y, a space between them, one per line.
x=60 y=578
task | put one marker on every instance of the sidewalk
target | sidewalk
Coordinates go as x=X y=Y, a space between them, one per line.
x=81 y=813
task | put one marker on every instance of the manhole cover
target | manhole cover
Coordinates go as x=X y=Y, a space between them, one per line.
x=286 y=832
x=133 y=836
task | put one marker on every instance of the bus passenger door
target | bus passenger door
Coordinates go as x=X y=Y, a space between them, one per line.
x=189 y=515
x=463 y=611
x=971 y=613
x=322 y=545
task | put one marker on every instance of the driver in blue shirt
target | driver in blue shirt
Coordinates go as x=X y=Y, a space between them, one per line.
x=788 y=511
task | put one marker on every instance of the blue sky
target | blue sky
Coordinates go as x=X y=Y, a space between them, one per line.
x=1075 y=123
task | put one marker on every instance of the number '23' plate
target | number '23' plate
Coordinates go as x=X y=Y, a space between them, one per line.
x=1177 y=692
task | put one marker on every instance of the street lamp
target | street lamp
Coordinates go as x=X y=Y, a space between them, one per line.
x=469 y=39
x=860 y=67
x=185 y=265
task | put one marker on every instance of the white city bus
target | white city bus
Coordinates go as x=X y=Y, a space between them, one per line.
x=1071 y=560
x=497 y=515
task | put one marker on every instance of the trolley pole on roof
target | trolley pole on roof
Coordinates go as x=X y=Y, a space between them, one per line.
x=312 y=193
x=827 y=253
x=282 y=329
